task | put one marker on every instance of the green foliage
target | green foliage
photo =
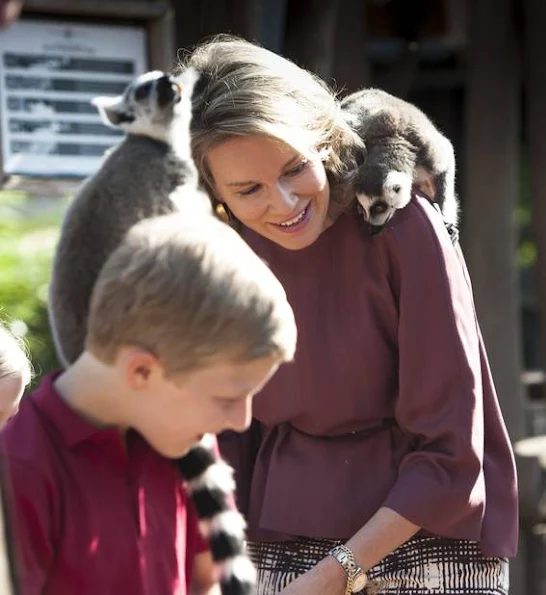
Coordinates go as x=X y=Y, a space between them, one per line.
x=28 y=233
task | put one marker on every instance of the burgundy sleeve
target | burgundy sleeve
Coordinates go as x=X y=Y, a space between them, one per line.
x=439 y=404
x=30 y=519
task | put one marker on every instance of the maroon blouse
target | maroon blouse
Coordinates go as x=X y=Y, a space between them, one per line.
x=387 y=333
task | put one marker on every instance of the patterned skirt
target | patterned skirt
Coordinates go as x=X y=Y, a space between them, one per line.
x=422 y=565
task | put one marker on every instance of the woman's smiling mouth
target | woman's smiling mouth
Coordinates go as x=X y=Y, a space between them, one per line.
x=296 y=223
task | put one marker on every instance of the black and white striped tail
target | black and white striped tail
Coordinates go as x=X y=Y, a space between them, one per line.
x=211 y=487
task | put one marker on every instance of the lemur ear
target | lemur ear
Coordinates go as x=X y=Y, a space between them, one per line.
x=113 y=110
x=187 y=79
x=360 y=155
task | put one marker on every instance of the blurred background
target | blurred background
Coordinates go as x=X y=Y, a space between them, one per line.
x=476 y=67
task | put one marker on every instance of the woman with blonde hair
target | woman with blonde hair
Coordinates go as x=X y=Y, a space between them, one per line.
x=15 y=373
x=378 y=460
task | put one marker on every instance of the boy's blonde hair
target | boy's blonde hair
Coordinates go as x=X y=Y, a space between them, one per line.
x=245 y=89
x=189 y=291
x=13 y=357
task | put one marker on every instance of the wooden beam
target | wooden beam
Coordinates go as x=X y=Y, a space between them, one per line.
x=156 y=17
x=491 y=175
x=97 y=9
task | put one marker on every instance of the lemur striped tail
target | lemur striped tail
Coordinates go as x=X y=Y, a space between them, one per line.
x=210 y=485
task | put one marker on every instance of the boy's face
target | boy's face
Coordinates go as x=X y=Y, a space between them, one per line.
x=11 y=391
x=173 y=413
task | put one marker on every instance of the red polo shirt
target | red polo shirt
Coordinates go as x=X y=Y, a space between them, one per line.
x=93 y=516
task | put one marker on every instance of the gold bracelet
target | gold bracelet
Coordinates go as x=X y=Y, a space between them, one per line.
x=356 y=577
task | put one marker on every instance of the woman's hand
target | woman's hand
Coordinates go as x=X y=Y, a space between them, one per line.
x=204 y=580
x=326 y=578
x=381 y=535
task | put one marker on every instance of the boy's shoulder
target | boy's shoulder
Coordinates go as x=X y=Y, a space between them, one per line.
x=27 y=437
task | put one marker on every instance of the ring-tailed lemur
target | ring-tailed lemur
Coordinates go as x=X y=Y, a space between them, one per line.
x=146 y=174
x=211 y=486
x=401 y=142
x=149 y=173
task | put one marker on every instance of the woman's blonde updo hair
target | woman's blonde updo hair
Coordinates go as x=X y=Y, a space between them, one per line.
x=14 y=361
x=245 y=89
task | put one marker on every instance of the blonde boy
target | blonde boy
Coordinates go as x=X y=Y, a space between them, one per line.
x=186 y=324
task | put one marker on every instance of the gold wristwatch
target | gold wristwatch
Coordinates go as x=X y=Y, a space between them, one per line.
x=356 y=577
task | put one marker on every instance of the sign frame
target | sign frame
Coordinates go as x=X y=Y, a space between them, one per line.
x=156 y=18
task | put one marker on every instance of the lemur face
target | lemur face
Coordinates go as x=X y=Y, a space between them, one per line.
x=383 y=183
x=379 y=201
x=145 y=106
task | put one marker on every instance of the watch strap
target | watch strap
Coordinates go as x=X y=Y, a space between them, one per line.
x=345 y=557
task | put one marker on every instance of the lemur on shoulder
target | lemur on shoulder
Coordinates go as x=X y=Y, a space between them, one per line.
x=402 y=147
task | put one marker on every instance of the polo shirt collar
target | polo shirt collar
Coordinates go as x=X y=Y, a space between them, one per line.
x=73 y=428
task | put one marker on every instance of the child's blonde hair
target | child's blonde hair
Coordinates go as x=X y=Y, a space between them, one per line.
x=245 y=89
x=13 y=357
x=189 y=291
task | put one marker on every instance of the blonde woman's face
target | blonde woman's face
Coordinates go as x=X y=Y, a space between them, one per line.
x=272 y=189
x=11 y=391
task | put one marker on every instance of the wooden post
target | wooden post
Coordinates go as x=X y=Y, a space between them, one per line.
x=310 y=34
x=532 y=458
x=491 y=171
x=535 y=95
x=161 y=46
x=351 y=69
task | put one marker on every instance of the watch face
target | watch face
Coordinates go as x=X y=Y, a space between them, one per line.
x=359 y=581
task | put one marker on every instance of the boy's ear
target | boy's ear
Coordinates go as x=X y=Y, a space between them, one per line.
x=113 y=110
x=139 y=367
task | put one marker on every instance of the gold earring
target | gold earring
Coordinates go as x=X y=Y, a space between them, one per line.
x=223 y=213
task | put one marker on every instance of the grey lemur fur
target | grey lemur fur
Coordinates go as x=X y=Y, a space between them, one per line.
x=401 y=143
x=141 y=177
x=149 y=173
